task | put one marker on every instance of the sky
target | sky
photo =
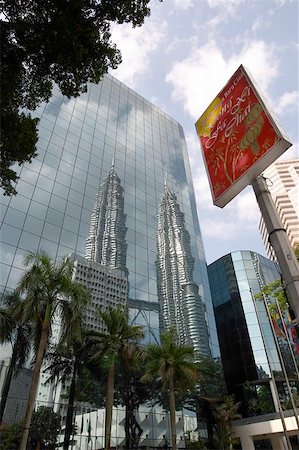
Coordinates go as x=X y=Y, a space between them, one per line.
x=180 y=59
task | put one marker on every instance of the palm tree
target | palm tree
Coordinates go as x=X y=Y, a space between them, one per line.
x=132 y=391
x=109 y=345
x=66 y=363
x=173 y=365
x=225 y=414
x=13 y=331
x=48 y=290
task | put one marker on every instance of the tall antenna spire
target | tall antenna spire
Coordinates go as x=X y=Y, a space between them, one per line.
x=165 y=179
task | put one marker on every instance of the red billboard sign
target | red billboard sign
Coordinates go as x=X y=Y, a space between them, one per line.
x=239 y=138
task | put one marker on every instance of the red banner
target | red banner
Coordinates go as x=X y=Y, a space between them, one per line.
x=237 y=135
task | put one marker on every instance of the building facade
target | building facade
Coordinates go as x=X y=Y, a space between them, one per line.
x=95 y=191
x=283 y=185
x=18 y=393
x=259 y=353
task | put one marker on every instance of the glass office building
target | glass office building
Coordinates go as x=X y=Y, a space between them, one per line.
x=259 y=354
x=58 y=209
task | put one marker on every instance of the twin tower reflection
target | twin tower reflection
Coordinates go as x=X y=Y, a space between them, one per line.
x=104 y=267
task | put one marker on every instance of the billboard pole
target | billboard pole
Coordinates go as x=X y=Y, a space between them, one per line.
x=279 y=241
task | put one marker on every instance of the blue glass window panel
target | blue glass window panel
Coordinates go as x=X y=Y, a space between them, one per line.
x=55 y=149
x=7 y=253
x=9 y=234
x=81 y=242
x=51 y=232
x=75 y=197
x=30 y=176
x=25 y=189
x=49 y=247
x=73 y=210
x=19 y=258
x=55 y=217
x=4 y=272
x=63 y=251
x=37 y=210
x=14 y=277
x=41 y=196
x=33 y=225
x=236 y=256
x=58 y=202
x=66 y=167
x=28 y=241
x=70 y=147
x=51 y=160
x=68 y=239
x=14 y=217
x=71 y=224
x=63 y=178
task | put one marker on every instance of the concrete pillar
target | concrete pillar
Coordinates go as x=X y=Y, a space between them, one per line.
x=279 y=443
x=247 y=442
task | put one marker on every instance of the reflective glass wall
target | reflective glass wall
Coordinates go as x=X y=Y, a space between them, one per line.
x=80 y=141
x=255 y=346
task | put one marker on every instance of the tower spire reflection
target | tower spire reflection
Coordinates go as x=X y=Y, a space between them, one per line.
x=180 y=302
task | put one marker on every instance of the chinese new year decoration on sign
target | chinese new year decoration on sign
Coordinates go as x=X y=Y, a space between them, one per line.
x=239 y=138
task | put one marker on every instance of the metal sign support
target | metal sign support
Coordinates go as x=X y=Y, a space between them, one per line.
x=279 y=241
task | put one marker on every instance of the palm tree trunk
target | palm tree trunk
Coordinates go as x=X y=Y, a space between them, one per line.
x=172 y=414
x=6 y=386
x=109 y=406
x=70 y=412
x=34 y=385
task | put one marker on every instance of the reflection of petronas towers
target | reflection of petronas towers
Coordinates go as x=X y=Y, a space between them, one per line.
x=180 y=303
x=106 y=243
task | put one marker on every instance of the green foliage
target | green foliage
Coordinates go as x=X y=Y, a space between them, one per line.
x=16 y=333
x=259 y=398
x=44 y=431
x=47 y=286
x=170 y=362
x=33 y=59
x=225 y=414
x=45 y=427
x=118 y=341
x=172 y=365
x=211 y=383
x=117 y=338
x=11 y=436
x=91 y=387
x=274 y=290
x=12 y=328
x=196 y=445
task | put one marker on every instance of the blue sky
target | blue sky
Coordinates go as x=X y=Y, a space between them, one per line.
x=182 y=57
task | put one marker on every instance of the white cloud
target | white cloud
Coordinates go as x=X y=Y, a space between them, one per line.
x=197 y=79
x=183 y=4
x=218 y=229
x=229 y=5
x=136 y=46
x=237 y=218
x=286 y=101
x=246 y=208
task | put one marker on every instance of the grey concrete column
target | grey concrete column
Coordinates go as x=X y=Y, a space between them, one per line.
x=279 y=443
x=247 y=442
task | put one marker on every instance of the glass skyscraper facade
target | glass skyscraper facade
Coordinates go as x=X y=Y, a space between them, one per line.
x=102 y=162
x=259 y=351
